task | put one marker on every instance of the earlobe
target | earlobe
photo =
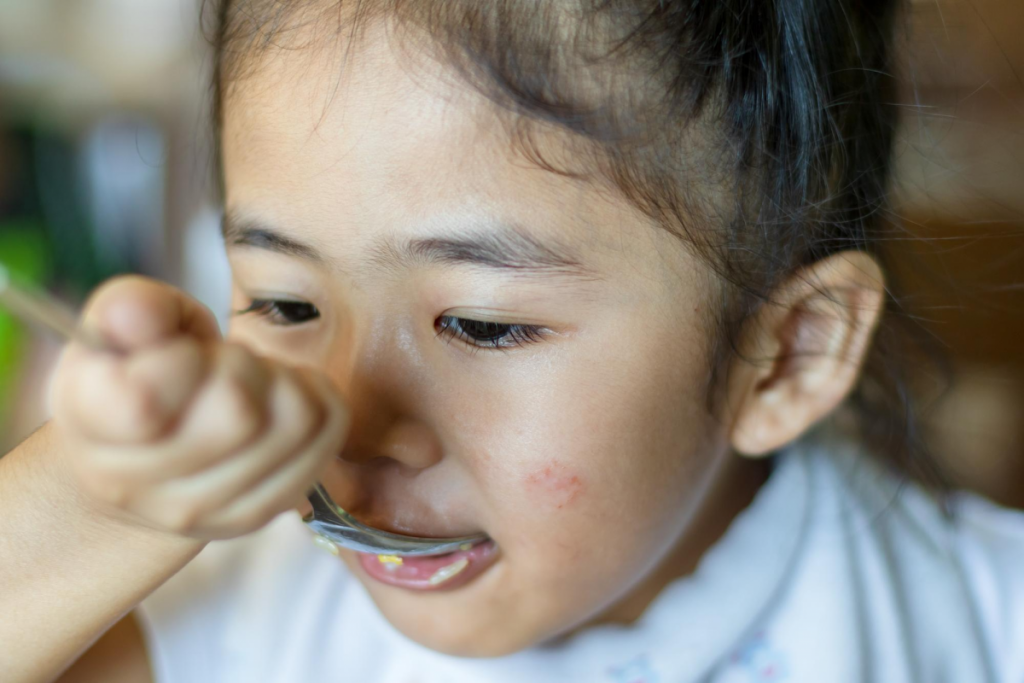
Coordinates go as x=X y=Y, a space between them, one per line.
x=803 y=351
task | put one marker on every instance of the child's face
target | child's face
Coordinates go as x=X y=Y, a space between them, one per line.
x=582 y=454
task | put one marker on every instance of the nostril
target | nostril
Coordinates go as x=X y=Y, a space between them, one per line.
x=412 y=444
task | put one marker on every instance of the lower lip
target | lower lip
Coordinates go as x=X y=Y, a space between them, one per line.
x=441 y=572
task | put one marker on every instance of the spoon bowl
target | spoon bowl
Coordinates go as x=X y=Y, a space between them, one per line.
x=341 y=528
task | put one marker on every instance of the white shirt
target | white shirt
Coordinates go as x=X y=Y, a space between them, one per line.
x=834 y=573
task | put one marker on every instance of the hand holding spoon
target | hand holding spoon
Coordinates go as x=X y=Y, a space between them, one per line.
x=326 y=518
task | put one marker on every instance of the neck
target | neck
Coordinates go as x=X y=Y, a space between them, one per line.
x=735 y=487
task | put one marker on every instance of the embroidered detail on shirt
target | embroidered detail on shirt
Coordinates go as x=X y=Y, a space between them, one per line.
x=637 y=670
x=761 y=660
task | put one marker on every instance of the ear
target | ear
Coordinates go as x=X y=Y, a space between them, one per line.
x=802 y=352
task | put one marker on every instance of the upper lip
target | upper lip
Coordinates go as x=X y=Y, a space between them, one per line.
x=391 y=524
x=409 y=506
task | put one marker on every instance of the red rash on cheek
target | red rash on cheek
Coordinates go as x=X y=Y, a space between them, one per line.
x=555 y=483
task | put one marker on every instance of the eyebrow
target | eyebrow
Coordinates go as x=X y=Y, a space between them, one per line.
x=507 y=248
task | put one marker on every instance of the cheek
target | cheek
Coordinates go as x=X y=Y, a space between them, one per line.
x=587 y=454
x=554 y=486
x=596 y=470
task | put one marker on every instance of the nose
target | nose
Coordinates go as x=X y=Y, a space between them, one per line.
x=387 y=407
x=407 y=444
x=405 y=440
x=410 y=443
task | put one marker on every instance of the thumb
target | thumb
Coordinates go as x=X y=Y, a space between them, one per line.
x=132 y=312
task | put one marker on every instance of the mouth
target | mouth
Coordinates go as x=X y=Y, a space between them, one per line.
x=445 y=571
x=433 y=572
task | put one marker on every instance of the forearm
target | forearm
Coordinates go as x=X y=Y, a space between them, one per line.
x=66 y=573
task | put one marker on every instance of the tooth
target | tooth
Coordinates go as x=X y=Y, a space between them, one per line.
x=326 y=544
x=445 y=573
x=466 y=546
x=390 y=560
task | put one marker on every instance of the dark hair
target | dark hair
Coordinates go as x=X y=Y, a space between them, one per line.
x=785 y=107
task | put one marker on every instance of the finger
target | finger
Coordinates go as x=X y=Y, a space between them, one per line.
x=296 y=417
x=229 y=412
x=164 y=380
x=132 y=312
x=172 y=374
x=279 y=493
x=133 y=400
x=189 y=513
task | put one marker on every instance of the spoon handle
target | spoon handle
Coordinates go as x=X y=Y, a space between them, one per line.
x=38 y=308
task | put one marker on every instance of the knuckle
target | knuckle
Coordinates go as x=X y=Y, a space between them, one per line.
x=339 y=418
x=228 y=530
x=100 y=474
x=141 y=413
x=111 y=290
x=301 y=428
x=240 y=362
x=335 y=418
x=79 y=389
x=307 y=406
x=310 y=419
x=112 y=285
x=253 y=520
x=231 y=356
x=243 y=413
x=240 y=354
x=182 y=518
x=118 y=497
x=116 y=493
x=104 y=487
x=188 y=355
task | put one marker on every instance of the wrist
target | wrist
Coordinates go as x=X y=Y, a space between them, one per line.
x=56 y=490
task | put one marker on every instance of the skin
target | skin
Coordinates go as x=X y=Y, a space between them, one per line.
x=596 y=437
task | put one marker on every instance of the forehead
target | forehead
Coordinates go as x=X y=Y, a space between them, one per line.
x=348 y=141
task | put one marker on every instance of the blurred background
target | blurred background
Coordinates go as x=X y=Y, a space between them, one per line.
x=106 y=168
x=105 y=165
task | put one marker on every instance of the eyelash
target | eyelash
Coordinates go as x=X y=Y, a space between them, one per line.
x=293 y=313
x=284 y=313
x=521 y=335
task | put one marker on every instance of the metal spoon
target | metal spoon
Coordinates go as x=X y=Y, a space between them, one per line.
x=327 y=518
x=338 y=526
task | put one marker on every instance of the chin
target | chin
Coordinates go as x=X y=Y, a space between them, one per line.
x=475 y=620
x=456 y=635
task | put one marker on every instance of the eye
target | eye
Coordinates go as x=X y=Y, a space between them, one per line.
x=282 y=312
x=485 y=334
